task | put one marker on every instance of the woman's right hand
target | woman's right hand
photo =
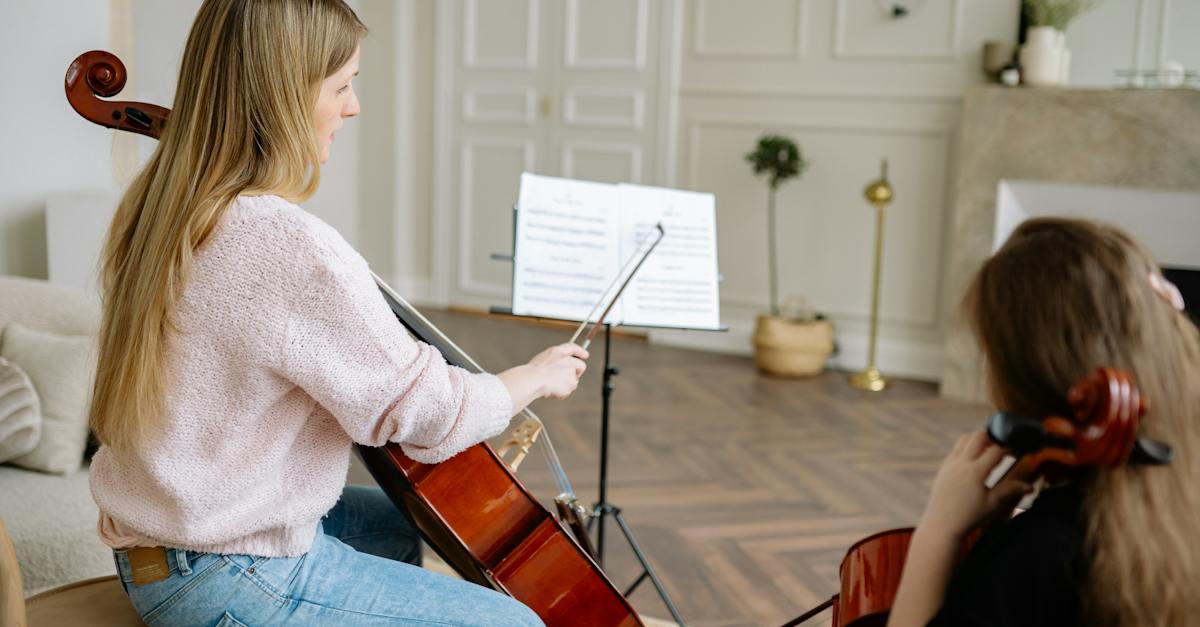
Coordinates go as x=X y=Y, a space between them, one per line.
x=552 y=373
x=560 y=367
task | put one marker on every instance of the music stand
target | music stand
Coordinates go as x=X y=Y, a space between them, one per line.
x=603 y=508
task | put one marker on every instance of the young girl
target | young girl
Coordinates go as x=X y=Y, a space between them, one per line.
x=245 y=347
x=1115 y=546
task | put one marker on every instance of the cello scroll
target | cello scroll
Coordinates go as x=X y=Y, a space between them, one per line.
x=99 y=73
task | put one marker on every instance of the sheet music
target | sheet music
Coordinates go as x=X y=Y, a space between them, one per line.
x=573 y=237
x=567 y=241
x=678 y=284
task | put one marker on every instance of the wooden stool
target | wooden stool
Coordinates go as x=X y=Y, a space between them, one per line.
x=98 y=602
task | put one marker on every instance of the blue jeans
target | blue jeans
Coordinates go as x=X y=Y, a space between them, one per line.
x=350 y=576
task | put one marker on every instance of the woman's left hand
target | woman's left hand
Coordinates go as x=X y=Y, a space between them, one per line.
x=959 y=499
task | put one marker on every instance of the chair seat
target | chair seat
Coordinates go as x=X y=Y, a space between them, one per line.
x=98 y=602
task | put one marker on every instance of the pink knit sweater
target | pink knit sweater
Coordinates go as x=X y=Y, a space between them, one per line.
x=281 y=354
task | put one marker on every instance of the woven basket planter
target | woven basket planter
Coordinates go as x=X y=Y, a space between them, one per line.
x=787 y=348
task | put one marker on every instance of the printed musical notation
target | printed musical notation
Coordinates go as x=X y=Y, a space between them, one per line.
x=573 y=237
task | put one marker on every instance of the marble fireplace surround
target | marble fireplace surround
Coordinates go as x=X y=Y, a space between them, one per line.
x=1145 y=139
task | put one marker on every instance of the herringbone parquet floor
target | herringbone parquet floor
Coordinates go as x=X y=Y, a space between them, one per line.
x=744 y=490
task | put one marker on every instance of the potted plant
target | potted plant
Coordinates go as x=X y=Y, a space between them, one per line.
x=1044 y=58
x=793 y=342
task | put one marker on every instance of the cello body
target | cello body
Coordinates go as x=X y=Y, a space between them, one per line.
x=870 y=575
x=471 y=508
x=493 y=532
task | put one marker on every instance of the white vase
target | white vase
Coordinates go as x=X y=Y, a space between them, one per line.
x=1064 y=60
x=1041 y=57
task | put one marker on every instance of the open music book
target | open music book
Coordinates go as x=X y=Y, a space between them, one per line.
x=573 y=237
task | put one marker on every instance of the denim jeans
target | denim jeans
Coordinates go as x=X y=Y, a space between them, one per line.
x=350 y=576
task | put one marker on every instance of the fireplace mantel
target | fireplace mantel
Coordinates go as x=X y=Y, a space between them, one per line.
x=1119 y=138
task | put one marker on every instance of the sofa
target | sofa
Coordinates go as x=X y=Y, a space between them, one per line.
x=51 y=517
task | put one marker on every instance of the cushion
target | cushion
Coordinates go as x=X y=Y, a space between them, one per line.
x=61 y=368
x=48 y=306
x=20 y=413
x=56 y=540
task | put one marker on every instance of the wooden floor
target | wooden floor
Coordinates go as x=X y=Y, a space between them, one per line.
x=745 y=491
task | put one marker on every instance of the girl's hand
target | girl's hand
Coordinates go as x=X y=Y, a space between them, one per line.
x=552 y=373
x=959 y=501
x=560 y=368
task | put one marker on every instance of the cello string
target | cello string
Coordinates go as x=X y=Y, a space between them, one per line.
x=560 y=475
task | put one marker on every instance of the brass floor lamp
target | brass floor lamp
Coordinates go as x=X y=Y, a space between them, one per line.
x=878 y=193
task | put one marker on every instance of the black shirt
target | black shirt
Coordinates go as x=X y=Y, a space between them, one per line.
x=1029 y=571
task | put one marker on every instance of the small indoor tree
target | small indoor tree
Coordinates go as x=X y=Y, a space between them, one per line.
x=779 y=158
x=795 y=345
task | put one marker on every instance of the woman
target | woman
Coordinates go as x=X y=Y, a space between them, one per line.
x=244 y=347
x=1115 y=546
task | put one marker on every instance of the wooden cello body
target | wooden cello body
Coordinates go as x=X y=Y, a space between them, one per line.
x=870 y=576
x=471 y=508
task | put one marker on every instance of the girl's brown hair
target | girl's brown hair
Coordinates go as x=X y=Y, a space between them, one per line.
x=1060 y=298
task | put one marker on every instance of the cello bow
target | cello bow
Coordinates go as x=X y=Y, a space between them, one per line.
x=518 y=547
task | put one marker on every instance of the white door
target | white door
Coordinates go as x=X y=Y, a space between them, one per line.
x=557 y=87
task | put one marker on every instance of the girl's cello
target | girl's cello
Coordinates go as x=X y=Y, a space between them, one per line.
x=471 y=508
x=1102 y=433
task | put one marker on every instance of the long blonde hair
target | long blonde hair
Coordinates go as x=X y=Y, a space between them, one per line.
x=1060 y=298
x=241 y=123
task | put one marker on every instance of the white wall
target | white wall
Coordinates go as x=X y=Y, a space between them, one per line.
x=49 y=150
x=1132 y=35
x=852 y=86
x=160 y=32
x=45 y=147
x=396 y=142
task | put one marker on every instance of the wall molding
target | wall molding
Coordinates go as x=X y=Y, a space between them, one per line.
x=571 y=47
x=466 y=210
x=809 y=94
x=403 y=206
x=1164 y=20
x=633 y=151
x=694 y=125
x=670 y=64
x=471 y=112
x=797 y=52
x=908 y=358
x=1139 y=31
x=443 y=87
x=471 y=59
x=635 y=121
x=950 y=53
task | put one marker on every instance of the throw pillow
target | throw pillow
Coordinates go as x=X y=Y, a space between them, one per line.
x=61 y=368
x=20 y=413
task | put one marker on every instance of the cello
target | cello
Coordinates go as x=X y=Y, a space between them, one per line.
x=1101 y=434
x=471 y=508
